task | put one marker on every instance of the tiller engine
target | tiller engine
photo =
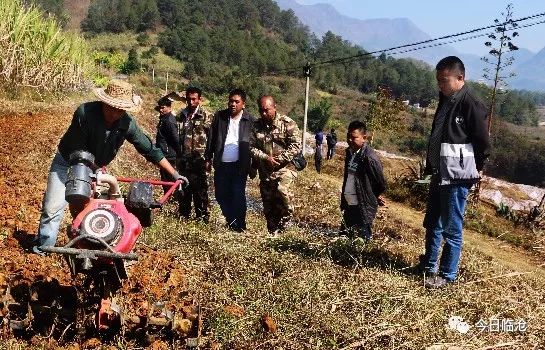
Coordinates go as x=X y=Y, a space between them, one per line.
x=103 y=234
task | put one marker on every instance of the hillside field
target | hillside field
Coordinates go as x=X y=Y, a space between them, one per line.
x=320 y=290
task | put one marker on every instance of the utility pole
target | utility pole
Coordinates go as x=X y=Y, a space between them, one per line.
x=166 y=85
x=306 y=72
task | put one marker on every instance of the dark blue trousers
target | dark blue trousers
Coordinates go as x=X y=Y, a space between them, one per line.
x=354 y=224
x=230 y=190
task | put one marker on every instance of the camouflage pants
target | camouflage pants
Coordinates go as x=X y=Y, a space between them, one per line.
x=277 y=198
x=197 y=191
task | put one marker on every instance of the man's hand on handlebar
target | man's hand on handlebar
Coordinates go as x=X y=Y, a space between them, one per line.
x=183 y=184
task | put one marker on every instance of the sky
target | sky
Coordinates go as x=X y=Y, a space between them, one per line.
x=437 y=19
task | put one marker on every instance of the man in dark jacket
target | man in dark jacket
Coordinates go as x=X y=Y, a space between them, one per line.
x=457 y=149
x=331 y=140
x=228 y=150
x=167 y=138
x=363 y=183
x=318 y=158
x=100 y=128
x=319 y=138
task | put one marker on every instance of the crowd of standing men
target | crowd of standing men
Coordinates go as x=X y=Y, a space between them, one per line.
x=457 y=149
x=236 y=145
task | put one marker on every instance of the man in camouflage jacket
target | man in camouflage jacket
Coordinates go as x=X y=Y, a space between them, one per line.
x=275 y=141
x=194 y=127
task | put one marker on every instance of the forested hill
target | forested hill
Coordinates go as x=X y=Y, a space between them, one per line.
x=222 y=41
x=235 y=42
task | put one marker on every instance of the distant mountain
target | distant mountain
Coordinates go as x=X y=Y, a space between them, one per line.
x=530 y=73
x=376 y=34
x=370 y=34
x=523 y=55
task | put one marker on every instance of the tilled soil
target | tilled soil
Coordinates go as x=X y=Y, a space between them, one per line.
x=156 y=283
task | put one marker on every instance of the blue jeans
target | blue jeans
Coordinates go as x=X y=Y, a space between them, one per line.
x=53 y=204
x=230 y=191
x=444 y=220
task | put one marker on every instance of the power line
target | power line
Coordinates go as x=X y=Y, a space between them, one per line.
x=437 y=39
x=363 y=54
x=463 y=39
x=348 y=59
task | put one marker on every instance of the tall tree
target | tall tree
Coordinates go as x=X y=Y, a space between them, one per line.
x=132 y=64
x=147 y=15
x=384 y=112
x=319 y=114
x=499 y=50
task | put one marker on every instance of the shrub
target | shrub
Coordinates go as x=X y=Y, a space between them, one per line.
x=132 y=64
x=109 y=60
x=143 y=39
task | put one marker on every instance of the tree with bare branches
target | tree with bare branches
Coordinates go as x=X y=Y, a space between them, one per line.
x=500 y=46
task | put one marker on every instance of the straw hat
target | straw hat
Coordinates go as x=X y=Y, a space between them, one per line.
x=119 y=94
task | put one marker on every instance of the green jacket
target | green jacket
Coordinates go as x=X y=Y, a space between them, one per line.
x=87 y=131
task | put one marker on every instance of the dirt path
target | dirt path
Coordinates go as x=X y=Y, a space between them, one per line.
x=27 y=144
x=507 y=255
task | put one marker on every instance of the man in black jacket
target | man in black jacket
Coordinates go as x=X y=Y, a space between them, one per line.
x=363 y=183
x=228 y=150
x=331 y=139
x=167 y=138
x=457 y=149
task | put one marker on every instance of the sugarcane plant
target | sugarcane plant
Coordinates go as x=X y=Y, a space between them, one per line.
x=36 y=53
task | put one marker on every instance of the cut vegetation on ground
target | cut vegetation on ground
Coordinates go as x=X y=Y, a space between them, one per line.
x=308 y=289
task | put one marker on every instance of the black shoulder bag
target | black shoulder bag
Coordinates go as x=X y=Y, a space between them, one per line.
x=299 y=161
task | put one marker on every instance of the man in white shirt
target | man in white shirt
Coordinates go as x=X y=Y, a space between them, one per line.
x=228 y=150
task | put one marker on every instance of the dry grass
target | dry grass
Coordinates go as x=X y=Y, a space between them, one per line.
x=329 y=292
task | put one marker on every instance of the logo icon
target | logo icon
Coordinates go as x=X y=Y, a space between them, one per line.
x=457 y=323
